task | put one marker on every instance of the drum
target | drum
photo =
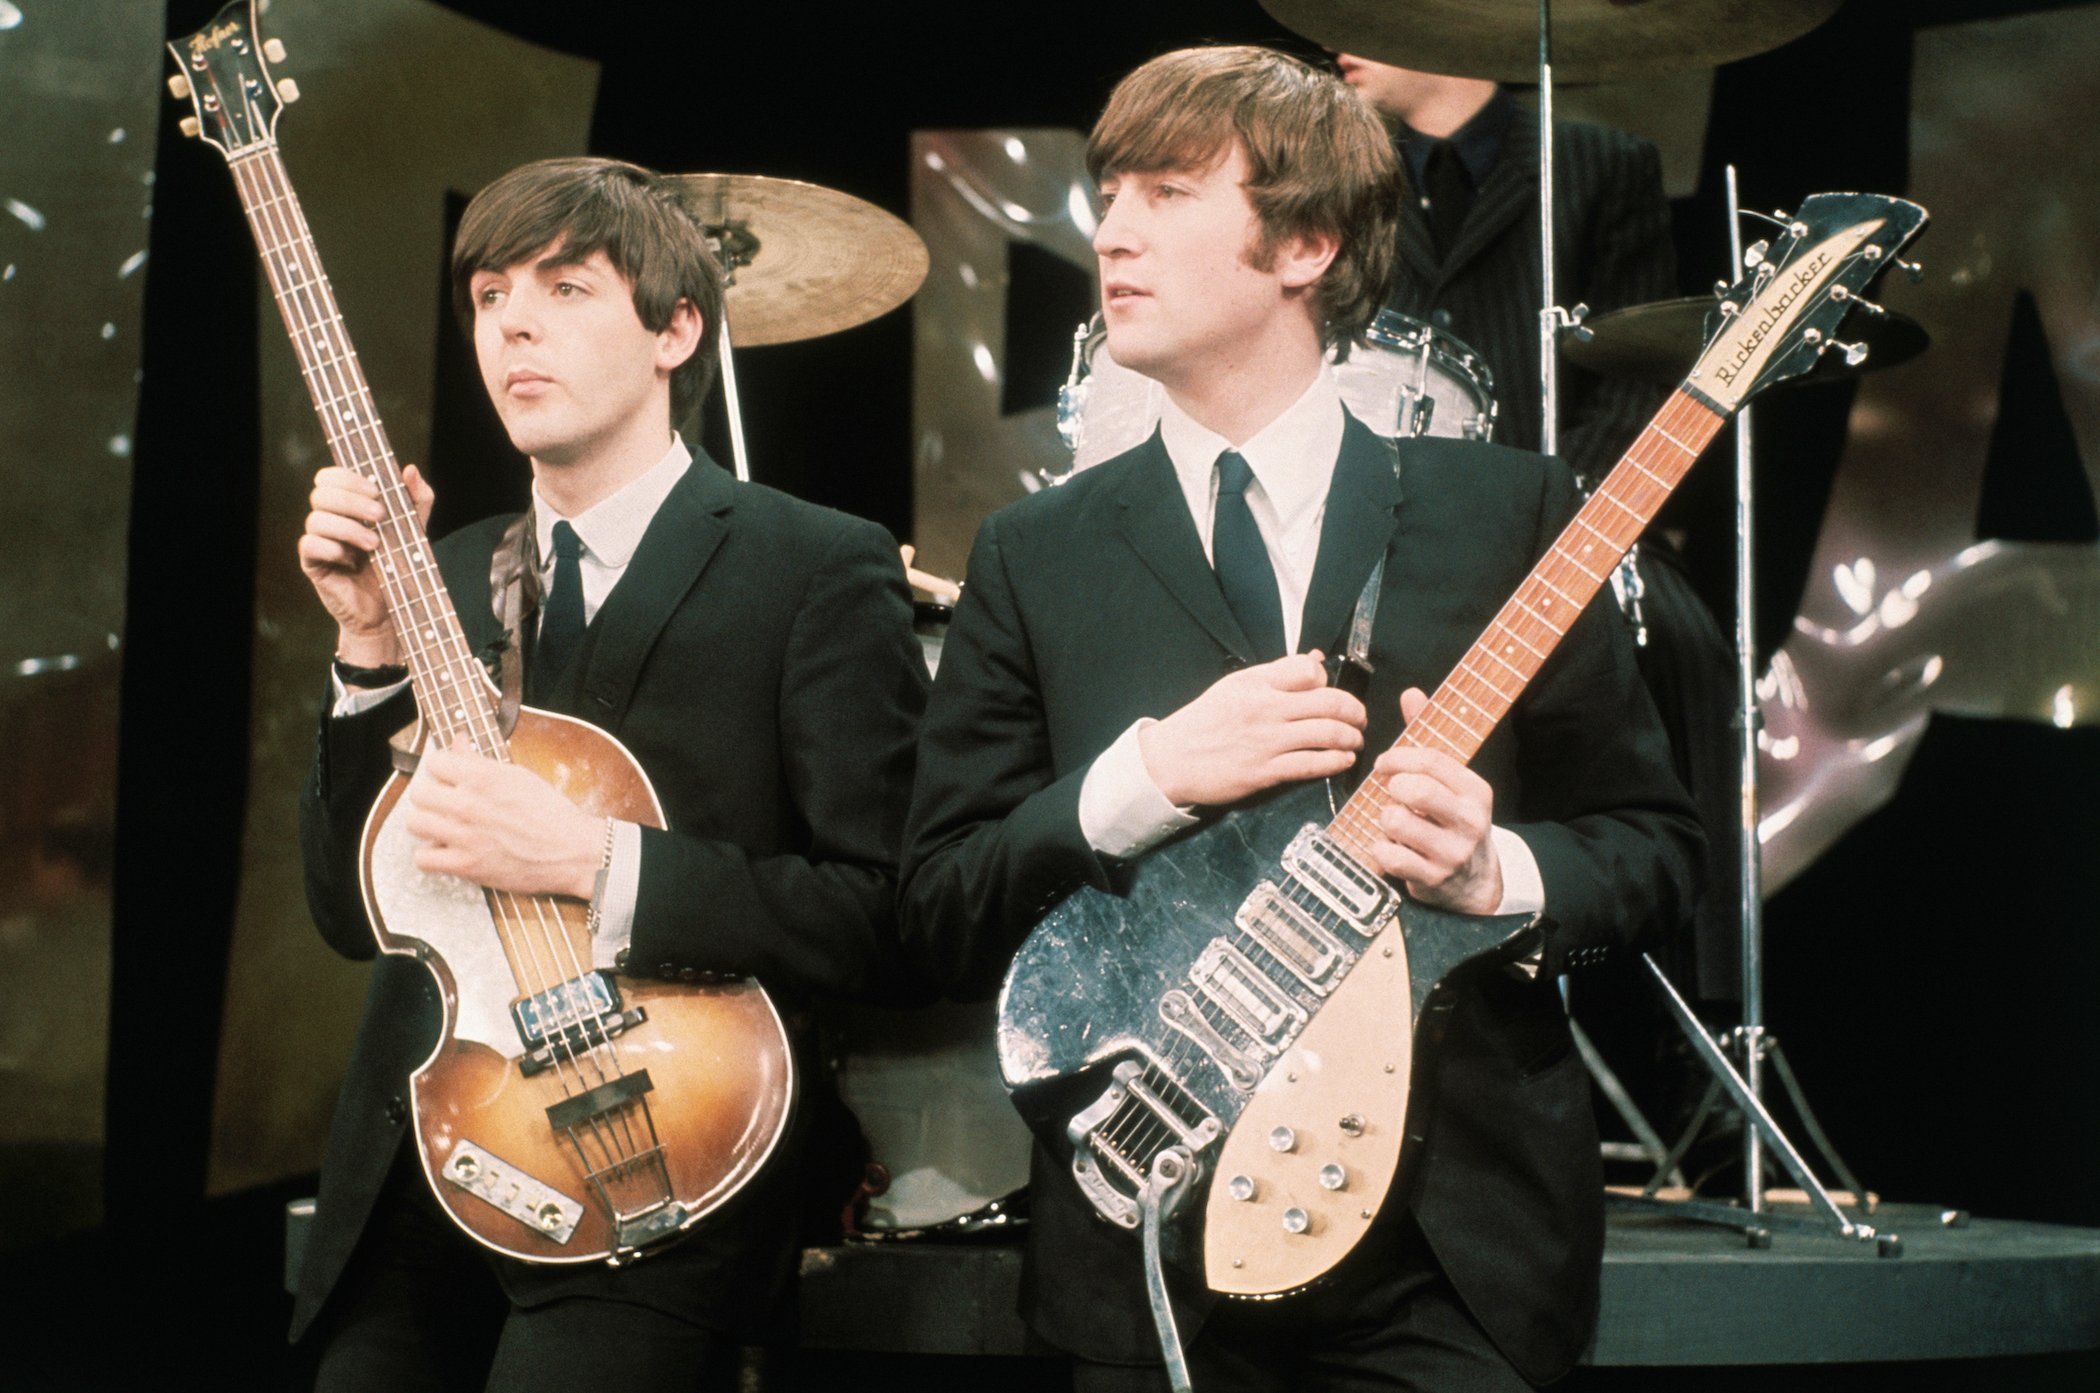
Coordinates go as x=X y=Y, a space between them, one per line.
x=1409 y=379
x=1405 y=379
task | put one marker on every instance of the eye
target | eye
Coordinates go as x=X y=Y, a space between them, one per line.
x=488 y=297
x=567 y=289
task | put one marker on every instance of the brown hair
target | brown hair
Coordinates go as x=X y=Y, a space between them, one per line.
x=635 y=216
x=1318 y=159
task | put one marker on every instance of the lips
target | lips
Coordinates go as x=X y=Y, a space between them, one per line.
x=525 y=382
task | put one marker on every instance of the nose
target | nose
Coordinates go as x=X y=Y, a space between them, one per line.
x=1116 y=233
x=518 y=316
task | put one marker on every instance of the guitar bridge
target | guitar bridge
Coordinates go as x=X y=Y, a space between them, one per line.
x=1118 y=1139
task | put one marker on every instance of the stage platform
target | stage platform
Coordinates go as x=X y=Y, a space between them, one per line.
x=1675 y=1293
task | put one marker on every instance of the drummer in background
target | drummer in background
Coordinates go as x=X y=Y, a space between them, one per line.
x=1469 y=244
x=1468 y=265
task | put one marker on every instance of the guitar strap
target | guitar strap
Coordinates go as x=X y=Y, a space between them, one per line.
x=514 y=594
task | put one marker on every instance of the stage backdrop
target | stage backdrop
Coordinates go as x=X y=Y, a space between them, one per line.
x=82 y=98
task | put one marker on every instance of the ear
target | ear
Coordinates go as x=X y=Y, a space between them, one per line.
x=678 y=340
x=1304 y=257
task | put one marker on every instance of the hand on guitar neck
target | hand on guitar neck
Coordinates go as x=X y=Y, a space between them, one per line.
x=335 y=552
x=1437 y=833
x=1274 y=723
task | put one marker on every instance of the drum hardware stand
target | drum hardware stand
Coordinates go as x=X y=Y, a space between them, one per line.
x=733 y=246
x=1750 y=1041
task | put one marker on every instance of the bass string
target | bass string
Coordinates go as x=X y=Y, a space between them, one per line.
x=560 y=989
x=343 y=400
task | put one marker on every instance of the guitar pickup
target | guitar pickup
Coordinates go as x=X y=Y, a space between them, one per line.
x=566 y=1019
x=1291 y=936
x=1229 y=980
x=1319 y=863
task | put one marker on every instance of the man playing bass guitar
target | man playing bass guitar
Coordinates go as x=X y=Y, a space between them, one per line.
x=1142 y=647
x=755 y=655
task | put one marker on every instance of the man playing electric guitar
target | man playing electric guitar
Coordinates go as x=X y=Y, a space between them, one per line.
x=1142 y=647
x=755 y=655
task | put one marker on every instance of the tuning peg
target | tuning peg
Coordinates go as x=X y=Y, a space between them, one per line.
x=273 y=49
x=1855 y=353
x=179 y=86
x=1754 y=254
x=287 y=90
x=1843 y=295
x=189 y=127
x=1911 y=269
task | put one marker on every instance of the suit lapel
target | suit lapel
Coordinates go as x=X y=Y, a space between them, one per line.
x=1358 y=524
x=680 y=540
x=1510 y=189
x=1154 y=520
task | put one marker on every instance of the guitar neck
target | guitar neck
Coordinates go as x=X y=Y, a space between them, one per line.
x=1487 y=681
x=451 y=690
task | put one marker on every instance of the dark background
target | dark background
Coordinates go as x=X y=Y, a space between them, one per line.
x=1931 y=976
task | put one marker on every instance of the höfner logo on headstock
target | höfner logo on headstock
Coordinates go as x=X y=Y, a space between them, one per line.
x=205 y=40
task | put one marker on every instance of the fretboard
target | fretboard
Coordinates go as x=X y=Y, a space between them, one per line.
x=451 y=688
x=1480 y=691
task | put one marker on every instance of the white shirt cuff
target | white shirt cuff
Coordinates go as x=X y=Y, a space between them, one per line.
x=623 y=888
x=1121 y=810
x=349 y=701
x=1523 y=889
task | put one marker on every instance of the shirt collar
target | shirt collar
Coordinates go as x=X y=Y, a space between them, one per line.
x=612 y=528
x=1292 y=457
x=1478 y=142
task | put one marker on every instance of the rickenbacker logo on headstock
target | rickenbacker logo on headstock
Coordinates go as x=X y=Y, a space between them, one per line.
x=1774 y=310
x=1806 y=277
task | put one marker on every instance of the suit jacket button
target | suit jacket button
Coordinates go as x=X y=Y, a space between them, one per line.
x=667 y=970
x=689 y=974
x=396 y=1111
x=620 y=961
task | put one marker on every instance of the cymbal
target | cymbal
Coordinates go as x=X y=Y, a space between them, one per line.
x=1593 y=40
x=1660 y=341
x=803 y=260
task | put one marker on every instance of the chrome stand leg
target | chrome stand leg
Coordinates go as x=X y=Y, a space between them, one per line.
x=733 y=408
x=1647 y=1141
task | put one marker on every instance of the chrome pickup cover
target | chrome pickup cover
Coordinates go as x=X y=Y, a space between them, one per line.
x=1315 y=956
x=1229 y=980
x=1342 y=883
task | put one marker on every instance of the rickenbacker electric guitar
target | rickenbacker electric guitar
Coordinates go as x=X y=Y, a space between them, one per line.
x=565 y=1116
x=1241 y=1027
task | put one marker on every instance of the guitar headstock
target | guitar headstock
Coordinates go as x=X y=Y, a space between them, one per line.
x=1783 y=315
x=223 y=71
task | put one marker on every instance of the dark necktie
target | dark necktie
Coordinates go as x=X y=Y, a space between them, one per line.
x=1448 y=194
x=1242 y=561
x=561 y=619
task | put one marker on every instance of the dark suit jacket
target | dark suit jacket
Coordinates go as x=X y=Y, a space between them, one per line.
x=757 y=658
x=1089 y=606
x=1612 y=248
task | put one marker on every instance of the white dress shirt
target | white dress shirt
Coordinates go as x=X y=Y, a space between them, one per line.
x=609 y=530
x=1121 y=810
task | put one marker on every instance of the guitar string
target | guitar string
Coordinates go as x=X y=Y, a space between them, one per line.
x=302 y=294
x=622 y=1146
x=1356 y=822
x=1138 y=1129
